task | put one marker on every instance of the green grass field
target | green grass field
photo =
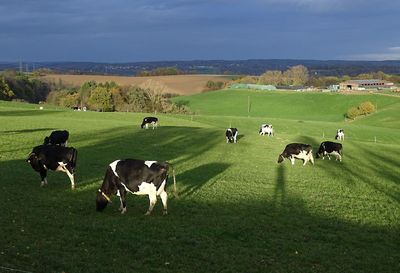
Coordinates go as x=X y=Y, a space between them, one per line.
x=238 y=211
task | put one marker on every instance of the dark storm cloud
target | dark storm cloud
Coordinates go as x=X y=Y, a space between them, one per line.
x=125 y=30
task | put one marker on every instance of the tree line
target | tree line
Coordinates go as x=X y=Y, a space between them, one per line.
x=299 y=76
x=150 y=96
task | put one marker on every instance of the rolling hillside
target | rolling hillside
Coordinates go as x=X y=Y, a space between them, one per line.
x=238 y=210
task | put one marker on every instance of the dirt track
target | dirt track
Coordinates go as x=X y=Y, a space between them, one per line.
x=178 y=84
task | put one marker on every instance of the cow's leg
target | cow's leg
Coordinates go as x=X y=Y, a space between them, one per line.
x=292 y=159
x=43 y=176
x=311 y=158
x=227 y=139
x=70 y=174
x=122 y=199
x=164 y=198
x=153 y=200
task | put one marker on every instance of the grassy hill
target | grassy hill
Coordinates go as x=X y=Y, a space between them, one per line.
x=238 y=211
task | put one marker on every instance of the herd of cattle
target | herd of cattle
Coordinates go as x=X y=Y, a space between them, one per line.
x=143 y=177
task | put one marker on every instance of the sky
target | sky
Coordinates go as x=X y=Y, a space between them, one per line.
x=172 y=30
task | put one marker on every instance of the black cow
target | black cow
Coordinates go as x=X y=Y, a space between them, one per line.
x=56 y=158
x=138 y=177
x=231 y=135
x=339 y=134
x=328 y=147
x=149 y=120
x=297 y=150
x=57 y=138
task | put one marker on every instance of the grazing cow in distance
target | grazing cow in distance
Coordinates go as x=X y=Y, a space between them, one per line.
x=53 y=157
x=266 y=129
x=149 y=120
x=339 y=134
x=138 y=177
x=231 y=135
x=299 y=151
x=57 y=138
x=328 y=148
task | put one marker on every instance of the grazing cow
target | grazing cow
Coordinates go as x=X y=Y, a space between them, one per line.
x=266 y=129
x=339 y=134
x=138 y=177
x=231 y=135
x=328 y=147
x=56 y=158
x=297 y=150
x=57 y=138
x=149 y=120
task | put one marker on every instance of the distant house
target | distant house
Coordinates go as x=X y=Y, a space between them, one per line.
x=365 y=84
x=334 y=87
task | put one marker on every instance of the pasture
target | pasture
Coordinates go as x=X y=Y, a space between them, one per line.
x=237 y=211
x=176 y=84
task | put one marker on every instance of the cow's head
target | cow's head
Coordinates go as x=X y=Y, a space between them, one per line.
x=280 y=158
x=34 y=160
x=102 y=199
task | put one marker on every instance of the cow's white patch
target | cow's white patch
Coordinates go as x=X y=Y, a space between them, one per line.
x=304 y=155
x=161 y=188
x=146 y=188
x=113 y=166
x=149 y=163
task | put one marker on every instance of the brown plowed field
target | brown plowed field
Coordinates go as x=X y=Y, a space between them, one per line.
x=178 y=84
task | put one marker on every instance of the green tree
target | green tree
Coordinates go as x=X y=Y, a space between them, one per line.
x=5 y=92
x=296 y=75
x=274 y=77
x=100 y=99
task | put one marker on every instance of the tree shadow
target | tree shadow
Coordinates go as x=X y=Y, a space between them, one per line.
x=27 y=113
x=23 y=131
x=192 y=180
x=378 y=162
x=280 y=188
x=169 y=143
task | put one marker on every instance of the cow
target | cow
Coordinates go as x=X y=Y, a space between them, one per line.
x=231 y=135
x=149 y=120
x=327 y=148
x=53 y=157
x=135 y=176
x=339 y=134
x=299 y=151
x=57 y=138
x=266 y=129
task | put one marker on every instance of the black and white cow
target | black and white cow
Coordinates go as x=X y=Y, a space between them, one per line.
x=299 y=151
x=339 y=134
x=266 y=129
x=57 y=138
x=53 y=157
x=138 y=177
x=231 y=135
x=328 y=148
x=149 y=120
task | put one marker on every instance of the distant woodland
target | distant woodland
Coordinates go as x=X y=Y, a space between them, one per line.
x=149 y=96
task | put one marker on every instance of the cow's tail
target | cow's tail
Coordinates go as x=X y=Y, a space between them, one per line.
x=74 y=158
x=173 y=176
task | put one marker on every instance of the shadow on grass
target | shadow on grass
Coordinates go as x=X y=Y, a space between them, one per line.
x=280 y=188
x=192 y=180
x=54 y=229
x=27 y=113
x=377 y=164
x=23 y=131
x=197 y=236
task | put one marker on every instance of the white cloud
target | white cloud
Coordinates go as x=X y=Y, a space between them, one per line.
x=391 y=53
